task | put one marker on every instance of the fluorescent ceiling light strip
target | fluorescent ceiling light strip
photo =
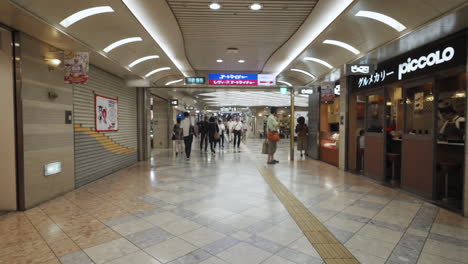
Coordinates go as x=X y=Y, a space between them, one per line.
x=140 y=60
x=324 y=63
x=323 y=21
x=145 y=20
x=288 y=84
x=382 y=18
x=343 y=45
x=72 y=19
x=121 y=42
x=156 y=71
x=304 y=72
x=172 y=82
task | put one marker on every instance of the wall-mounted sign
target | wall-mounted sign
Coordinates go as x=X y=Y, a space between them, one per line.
x=327 y=92
x=76 y=67
x=307 y=91
x=106 y=114
x=52 y=168
x=337 y=90
x=195 y=80
x=360 y=69
x=283 y=90
x=436 y=56
x=189 y=108
x=174 y=102
x=242 y=79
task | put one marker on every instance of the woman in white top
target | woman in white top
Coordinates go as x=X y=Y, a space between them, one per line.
x=222 y=129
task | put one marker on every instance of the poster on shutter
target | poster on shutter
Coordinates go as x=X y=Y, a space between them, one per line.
x=327 y=92
x=418 y=101
x=76 y=67
x=107 y=114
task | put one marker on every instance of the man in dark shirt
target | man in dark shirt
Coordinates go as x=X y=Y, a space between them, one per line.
x=203 y=129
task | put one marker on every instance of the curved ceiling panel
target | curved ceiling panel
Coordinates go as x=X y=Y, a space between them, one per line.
x=157 y=18
x=99 y=31
x=365 y=34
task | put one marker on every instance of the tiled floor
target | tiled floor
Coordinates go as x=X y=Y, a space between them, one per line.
x=224 y=208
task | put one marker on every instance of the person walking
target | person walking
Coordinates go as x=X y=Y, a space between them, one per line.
x=245 y=128
x=213 y=133
x=187 y=133
x=237 y=132
x=272 y=135
x=302 y=132
x=178 y=137
x=203 y=130
x=222 y=131
x=229 y=125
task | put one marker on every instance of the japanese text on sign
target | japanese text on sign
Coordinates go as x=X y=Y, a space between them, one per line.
x=374 y=78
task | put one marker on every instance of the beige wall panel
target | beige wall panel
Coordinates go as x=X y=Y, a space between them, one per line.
x=7 y=129
x=46 y=137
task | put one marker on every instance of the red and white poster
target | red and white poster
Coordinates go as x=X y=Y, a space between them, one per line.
x=76 y=67
x=107 y=114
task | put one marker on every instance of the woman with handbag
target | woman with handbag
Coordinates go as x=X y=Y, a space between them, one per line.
x=213 y=133
x=272 y=135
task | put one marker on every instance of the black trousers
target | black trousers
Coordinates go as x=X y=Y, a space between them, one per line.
x=213 y=145
x=221 y=141
x=188 y=145
x=204 y=138
x=237 y=137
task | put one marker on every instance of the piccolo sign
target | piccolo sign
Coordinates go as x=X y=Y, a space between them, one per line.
x=426 y=60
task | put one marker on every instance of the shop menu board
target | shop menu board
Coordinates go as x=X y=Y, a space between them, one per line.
x=76 y=67
x=107 y=114
x=242 y=79
x=433 y=57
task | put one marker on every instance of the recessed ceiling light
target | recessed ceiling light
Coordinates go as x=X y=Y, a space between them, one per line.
x=121 y=42
x=219 y=60
x=172 y=82
x=304 y=72
x=382 y=18
x=156 y=71
x=140 y=60
x=72 y=19
x=241 y=61
x=256 y=6
x=215 y=6
x=288 y=84
x=343 y=45
x=324 y=63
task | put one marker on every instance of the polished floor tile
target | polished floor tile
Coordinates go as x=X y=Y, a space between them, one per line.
x=221 y=209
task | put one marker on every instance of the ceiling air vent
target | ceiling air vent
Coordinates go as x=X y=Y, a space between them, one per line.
x=232 y=50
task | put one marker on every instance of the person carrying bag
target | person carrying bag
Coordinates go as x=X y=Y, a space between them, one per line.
x=272 y=135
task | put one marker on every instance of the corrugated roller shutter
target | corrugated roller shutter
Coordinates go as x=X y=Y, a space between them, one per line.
x=100 y=154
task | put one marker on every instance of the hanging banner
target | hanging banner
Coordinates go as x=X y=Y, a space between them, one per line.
x=327 y=92
x=107 y=114
x=76 y=67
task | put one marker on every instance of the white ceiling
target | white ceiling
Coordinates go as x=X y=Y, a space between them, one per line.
x=256 y=34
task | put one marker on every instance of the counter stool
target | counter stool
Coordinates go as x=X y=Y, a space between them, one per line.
x=394 y=158
x=447 y=167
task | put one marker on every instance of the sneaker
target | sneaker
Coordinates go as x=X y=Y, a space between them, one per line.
x=271 y=162
x=275 y=161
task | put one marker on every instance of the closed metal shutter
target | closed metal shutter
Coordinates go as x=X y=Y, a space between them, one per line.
x=100 y=154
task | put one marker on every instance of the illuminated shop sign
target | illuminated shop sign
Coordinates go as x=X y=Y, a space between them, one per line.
x=431 y=58
x=242 y=79
x=360 y=69
x=174 y=102
x=307 y=91
x=195 y=80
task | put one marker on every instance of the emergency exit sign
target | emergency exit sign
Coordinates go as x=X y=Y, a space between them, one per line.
x=195 y=80
x=283 y=90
